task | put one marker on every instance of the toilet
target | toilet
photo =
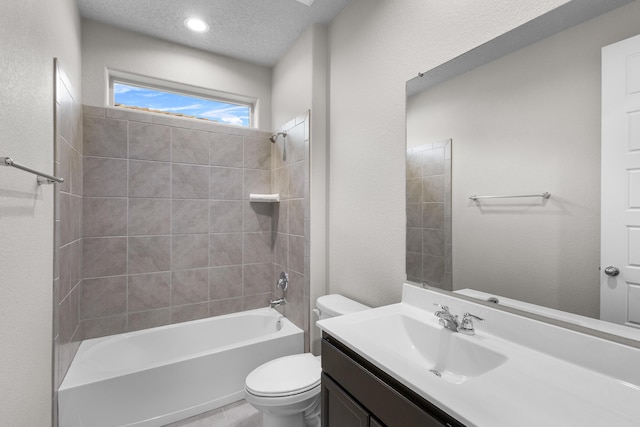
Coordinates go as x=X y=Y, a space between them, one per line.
x=287 y=389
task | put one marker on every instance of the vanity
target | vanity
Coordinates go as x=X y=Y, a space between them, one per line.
x=397 y=365
x=356 y=393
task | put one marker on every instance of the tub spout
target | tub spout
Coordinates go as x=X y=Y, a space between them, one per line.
x=276 y=302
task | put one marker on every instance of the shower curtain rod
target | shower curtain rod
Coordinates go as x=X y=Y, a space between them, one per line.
x=43 y=178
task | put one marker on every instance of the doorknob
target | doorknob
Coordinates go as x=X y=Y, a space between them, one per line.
x=611 y=271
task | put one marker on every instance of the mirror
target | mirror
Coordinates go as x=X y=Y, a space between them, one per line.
x=523 y=111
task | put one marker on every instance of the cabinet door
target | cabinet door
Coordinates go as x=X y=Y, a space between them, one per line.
x=339 y=409
x=375 y=423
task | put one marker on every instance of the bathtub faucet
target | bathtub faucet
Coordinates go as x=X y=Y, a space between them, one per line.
x=276 y=302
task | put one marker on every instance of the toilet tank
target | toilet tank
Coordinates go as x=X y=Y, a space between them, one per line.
x=336 y=305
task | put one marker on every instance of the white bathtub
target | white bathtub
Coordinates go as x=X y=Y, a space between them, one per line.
x=166 y=374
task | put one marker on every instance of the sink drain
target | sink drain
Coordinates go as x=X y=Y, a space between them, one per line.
x=436 y=373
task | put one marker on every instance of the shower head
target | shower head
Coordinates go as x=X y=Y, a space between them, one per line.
x=274 y=137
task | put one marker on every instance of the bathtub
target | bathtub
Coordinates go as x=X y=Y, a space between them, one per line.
x=166 y=374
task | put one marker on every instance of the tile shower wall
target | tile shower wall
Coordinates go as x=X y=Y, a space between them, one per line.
x=429 y=214
x=169 y=233
x=290 y=178
x=68 y=222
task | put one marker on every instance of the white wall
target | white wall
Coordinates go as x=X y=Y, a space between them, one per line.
x=32 y=33
x=104 y=46
x=319 y=177
x=291 y=84
x=376 y=46
x=527 y=123
x=300 y=83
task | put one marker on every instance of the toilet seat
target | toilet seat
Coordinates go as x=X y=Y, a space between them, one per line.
x=287 y=391
x=285 y=376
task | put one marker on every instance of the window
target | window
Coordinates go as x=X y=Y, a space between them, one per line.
x=158 y=99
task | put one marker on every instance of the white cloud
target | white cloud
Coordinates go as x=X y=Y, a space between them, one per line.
x=186 y=107
x=120 y=89
x=232 y=120
x=233 y=114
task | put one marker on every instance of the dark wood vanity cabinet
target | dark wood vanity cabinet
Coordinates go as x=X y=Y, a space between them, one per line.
x=356 y=393
x=339 y=409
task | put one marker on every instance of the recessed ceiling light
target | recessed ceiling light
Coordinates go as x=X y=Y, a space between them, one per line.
x=307 y=2
x=197 y=25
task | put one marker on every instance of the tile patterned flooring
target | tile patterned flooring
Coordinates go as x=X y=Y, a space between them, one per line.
x=237 y=414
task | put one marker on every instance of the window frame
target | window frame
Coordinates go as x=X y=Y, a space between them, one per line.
x=180 y=89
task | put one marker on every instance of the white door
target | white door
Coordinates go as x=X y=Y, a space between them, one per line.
x=620 y=229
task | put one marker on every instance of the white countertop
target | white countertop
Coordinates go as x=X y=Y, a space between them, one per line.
x=540 y=384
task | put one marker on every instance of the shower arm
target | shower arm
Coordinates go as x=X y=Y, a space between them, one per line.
x=273 y=138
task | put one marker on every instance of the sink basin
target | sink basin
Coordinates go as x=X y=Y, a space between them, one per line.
x=430 y=348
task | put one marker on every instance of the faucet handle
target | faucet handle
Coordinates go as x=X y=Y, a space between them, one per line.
x=466 y=325
x=283 y=281
x=472 y=316
x=442 y=307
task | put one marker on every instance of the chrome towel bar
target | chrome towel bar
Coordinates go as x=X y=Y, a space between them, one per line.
x=43 y=178
x=544 y=195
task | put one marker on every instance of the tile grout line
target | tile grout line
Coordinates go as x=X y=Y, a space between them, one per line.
x=210 y=169
x=171 y=260
x=127 y=264
x=242 y=246
x=226 y=419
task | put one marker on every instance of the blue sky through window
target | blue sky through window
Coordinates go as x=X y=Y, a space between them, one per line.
x=158 y=100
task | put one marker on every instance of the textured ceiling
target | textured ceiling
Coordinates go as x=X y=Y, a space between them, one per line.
x=257 y=31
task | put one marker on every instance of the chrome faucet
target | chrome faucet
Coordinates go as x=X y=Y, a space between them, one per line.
x=277 y=302
x=283 y=283
x=450 y=321
x=447 y=319
x=466 y=326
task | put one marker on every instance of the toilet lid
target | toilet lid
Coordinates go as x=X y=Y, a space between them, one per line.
x=337 y=305
x=285 y=376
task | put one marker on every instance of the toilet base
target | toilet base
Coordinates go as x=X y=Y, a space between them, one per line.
x=298 y=410
x=294 y=420
x=312 y=416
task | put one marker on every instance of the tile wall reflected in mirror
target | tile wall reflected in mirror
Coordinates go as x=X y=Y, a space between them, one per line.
x=429 y=214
